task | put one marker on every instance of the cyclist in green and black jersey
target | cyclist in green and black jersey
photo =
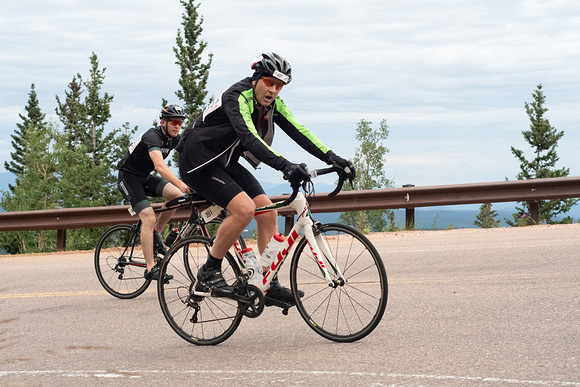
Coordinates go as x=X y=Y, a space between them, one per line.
x=240 y=123
x=136 y=182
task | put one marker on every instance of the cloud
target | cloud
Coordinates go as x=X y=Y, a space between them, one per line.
x=451 y=78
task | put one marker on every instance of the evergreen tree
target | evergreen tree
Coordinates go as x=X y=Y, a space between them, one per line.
x=34 y=118
x=486 y=217
x=98 y=112
x=34 y=190
x=87 y=154
x=74 y=167
x=194 y=73
x=370 y=174
x=71 y=112
x=543 y=139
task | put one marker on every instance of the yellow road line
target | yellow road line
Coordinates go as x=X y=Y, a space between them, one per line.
x=56 y=294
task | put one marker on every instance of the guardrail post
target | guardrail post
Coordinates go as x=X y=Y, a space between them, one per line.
x=409 y=212
x=535 y=212
x=409 y=218
x=60 y=240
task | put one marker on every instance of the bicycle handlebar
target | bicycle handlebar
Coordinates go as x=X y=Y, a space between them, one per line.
x=315 y=173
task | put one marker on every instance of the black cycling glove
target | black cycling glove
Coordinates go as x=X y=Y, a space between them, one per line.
x=296 y=174
x=339 y=162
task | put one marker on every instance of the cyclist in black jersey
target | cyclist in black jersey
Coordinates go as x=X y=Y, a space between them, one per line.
x=136 y=182
x=240 y=123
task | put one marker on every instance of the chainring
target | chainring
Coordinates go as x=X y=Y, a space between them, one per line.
x=251 y=303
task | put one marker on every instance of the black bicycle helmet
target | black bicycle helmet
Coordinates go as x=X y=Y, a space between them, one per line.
x=172 y=111
x=272 y=65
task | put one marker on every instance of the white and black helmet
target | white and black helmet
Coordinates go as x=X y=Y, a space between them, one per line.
x=172 y=111
x=272 y=65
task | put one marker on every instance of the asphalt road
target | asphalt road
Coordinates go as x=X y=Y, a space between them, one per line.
x=470 y=307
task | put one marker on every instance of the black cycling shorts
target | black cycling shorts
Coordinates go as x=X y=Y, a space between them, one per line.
x=135 y=189
x=221 y=184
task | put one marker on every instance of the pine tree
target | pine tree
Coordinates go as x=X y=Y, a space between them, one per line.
x=189 y=51
x=98 y=111
x=86 y=153
x=34 y=118
x=486 y=217
x=96 y=152
x=72 y=167
x=71 y=113
x=370 y=174
x=543 y=139
x=34 y=190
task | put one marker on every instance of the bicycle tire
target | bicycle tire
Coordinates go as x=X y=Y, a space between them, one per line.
x=119 y=262
x=341 y=313
x=198 y=320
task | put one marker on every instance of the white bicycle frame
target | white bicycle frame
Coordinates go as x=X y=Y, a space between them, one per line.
x=317 y=245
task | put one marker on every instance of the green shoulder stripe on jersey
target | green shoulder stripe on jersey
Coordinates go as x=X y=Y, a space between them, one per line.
x=246 y=103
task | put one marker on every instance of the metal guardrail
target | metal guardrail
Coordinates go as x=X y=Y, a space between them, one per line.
x=430 y=196
x=407 y=197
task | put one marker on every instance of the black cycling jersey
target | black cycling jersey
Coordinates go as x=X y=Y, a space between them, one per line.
x=137 y=159
x=234 y=125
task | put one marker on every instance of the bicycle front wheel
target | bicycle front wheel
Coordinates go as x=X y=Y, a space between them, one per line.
x=349 y=310
x=120 y=263
x=197 y=319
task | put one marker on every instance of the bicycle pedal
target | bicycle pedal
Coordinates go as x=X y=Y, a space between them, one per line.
x=269 y=301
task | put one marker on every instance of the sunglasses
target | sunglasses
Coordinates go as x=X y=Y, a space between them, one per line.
x=176 y=122
x=271 y=82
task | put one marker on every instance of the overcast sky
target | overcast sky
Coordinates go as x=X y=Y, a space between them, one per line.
x=450 y=77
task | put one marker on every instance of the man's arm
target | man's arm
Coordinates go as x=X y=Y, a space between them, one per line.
x=299 y=133
x=165 y=172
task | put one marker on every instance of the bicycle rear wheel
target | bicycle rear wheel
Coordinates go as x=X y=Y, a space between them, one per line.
x=347 y=312
x=198 y=320
x=119 y=262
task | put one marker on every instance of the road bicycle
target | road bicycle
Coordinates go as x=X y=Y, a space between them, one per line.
x=119 y=260
x=339 y=270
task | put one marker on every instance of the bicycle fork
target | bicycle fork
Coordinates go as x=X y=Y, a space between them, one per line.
x=321 y=250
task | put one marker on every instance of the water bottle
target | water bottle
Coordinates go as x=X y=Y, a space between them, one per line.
x=271 y=250
x=254 y=270
x=171 y=237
